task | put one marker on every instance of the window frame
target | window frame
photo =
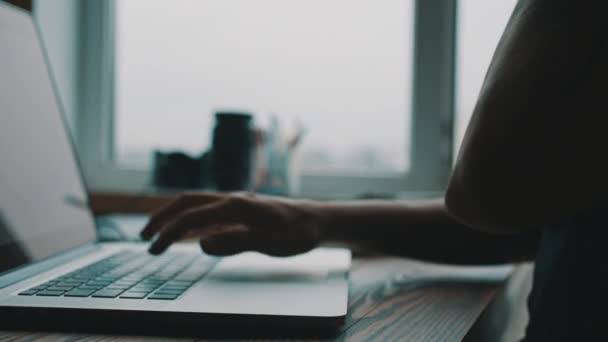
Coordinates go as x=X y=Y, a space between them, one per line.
x=431 y=113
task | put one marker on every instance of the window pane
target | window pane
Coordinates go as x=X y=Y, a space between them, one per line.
x=480 y=26
x=341 y=67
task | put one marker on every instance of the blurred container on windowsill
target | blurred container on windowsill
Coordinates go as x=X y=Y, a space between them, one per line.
x=242 y=157
x=278 y=172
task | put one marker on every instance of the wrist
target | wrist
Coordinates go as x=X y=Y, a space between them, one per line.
x=327 y=217
x=316 y=215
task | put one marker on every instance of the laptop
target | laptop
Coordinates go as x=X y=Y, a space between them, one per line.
x=53 y=272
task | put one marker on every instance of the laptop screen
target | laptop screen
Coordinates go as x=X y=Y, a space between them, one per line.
x=43 y=207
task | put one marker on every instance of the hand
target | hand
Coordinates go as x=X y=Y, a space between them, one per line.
x=228 y=224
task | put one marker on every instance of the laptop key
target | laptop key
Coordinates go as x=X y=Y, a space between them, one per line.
x=180 y=282
x=134 y=295
x=123 y=283
x=107 y=293
x=170 y=290
x=81 y=277
x=147 y=292
x=163 y=296
x=63 y=283
x=79 y=293
x=50 y=293
x=60 y=288
x=144 y=288
x=89 y=288
x=176 y=286
x=99 y=283
x=167 y=293
x=117 y=287
x=28 y=293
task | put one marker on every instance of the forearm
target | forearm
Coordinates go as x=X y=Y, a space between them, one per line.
x=421 y=230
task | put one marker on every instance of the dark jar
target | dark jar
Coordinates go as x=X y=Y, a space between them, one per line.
x=232 y=151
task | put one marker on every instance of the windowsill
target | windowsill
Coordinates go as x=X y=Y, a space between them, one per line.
x=108 y=177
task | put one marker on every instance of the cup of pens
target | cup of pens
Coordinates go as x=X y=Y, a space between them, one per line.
x=249 y=158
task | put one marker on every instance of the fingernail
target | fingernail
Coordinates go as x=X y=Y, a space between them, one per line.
x=156 y=249
x=147 y=232
x=144 y=235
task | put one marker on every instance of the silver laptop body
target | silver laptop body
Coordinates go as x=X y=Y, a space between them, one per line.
x=47 y=230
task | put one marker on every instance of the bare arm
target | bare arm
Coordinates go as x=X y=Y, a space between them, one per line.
x=227 y=224
x=423 y=230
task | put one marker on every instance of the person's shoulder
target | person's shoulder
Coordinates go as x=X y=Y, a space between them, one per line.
x=536 y=149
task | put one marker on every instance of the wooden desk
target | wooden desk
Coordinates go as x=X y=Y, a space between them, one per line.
x=391 y=299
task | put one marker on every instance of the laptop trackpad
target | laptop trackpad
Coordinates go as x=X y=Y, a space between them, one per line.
x=314 y=283
x=253 y=267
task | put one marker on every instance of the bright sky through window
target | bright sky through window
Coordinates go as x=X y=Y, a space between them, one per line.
x=341 y=67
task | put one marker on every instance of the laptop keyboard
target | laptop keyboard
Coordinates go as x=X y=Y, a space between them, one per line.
x=129 y=275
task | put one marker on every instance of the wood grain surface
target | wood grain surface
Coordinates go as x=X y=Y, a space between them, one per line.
x=391 y=299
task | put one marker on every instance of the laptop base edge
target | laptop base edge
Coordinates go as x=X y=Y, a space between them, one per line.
x=174 y=324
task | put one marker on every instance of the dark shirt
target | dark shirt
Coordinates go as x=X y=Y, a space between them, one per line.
x=569 y=296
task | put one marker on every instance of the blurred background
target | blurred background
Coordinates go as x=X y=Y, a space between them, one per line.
x=381 y=91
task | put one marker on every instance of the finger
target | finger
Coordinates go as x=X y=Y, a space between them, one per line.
x=168 y=213
x=161 y=217
x=200 y=218
x=228 y=244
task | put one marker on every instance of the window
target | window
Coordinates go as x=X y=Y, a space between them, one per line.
x=480 y=26
x=371 y=80
x=342 y=68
